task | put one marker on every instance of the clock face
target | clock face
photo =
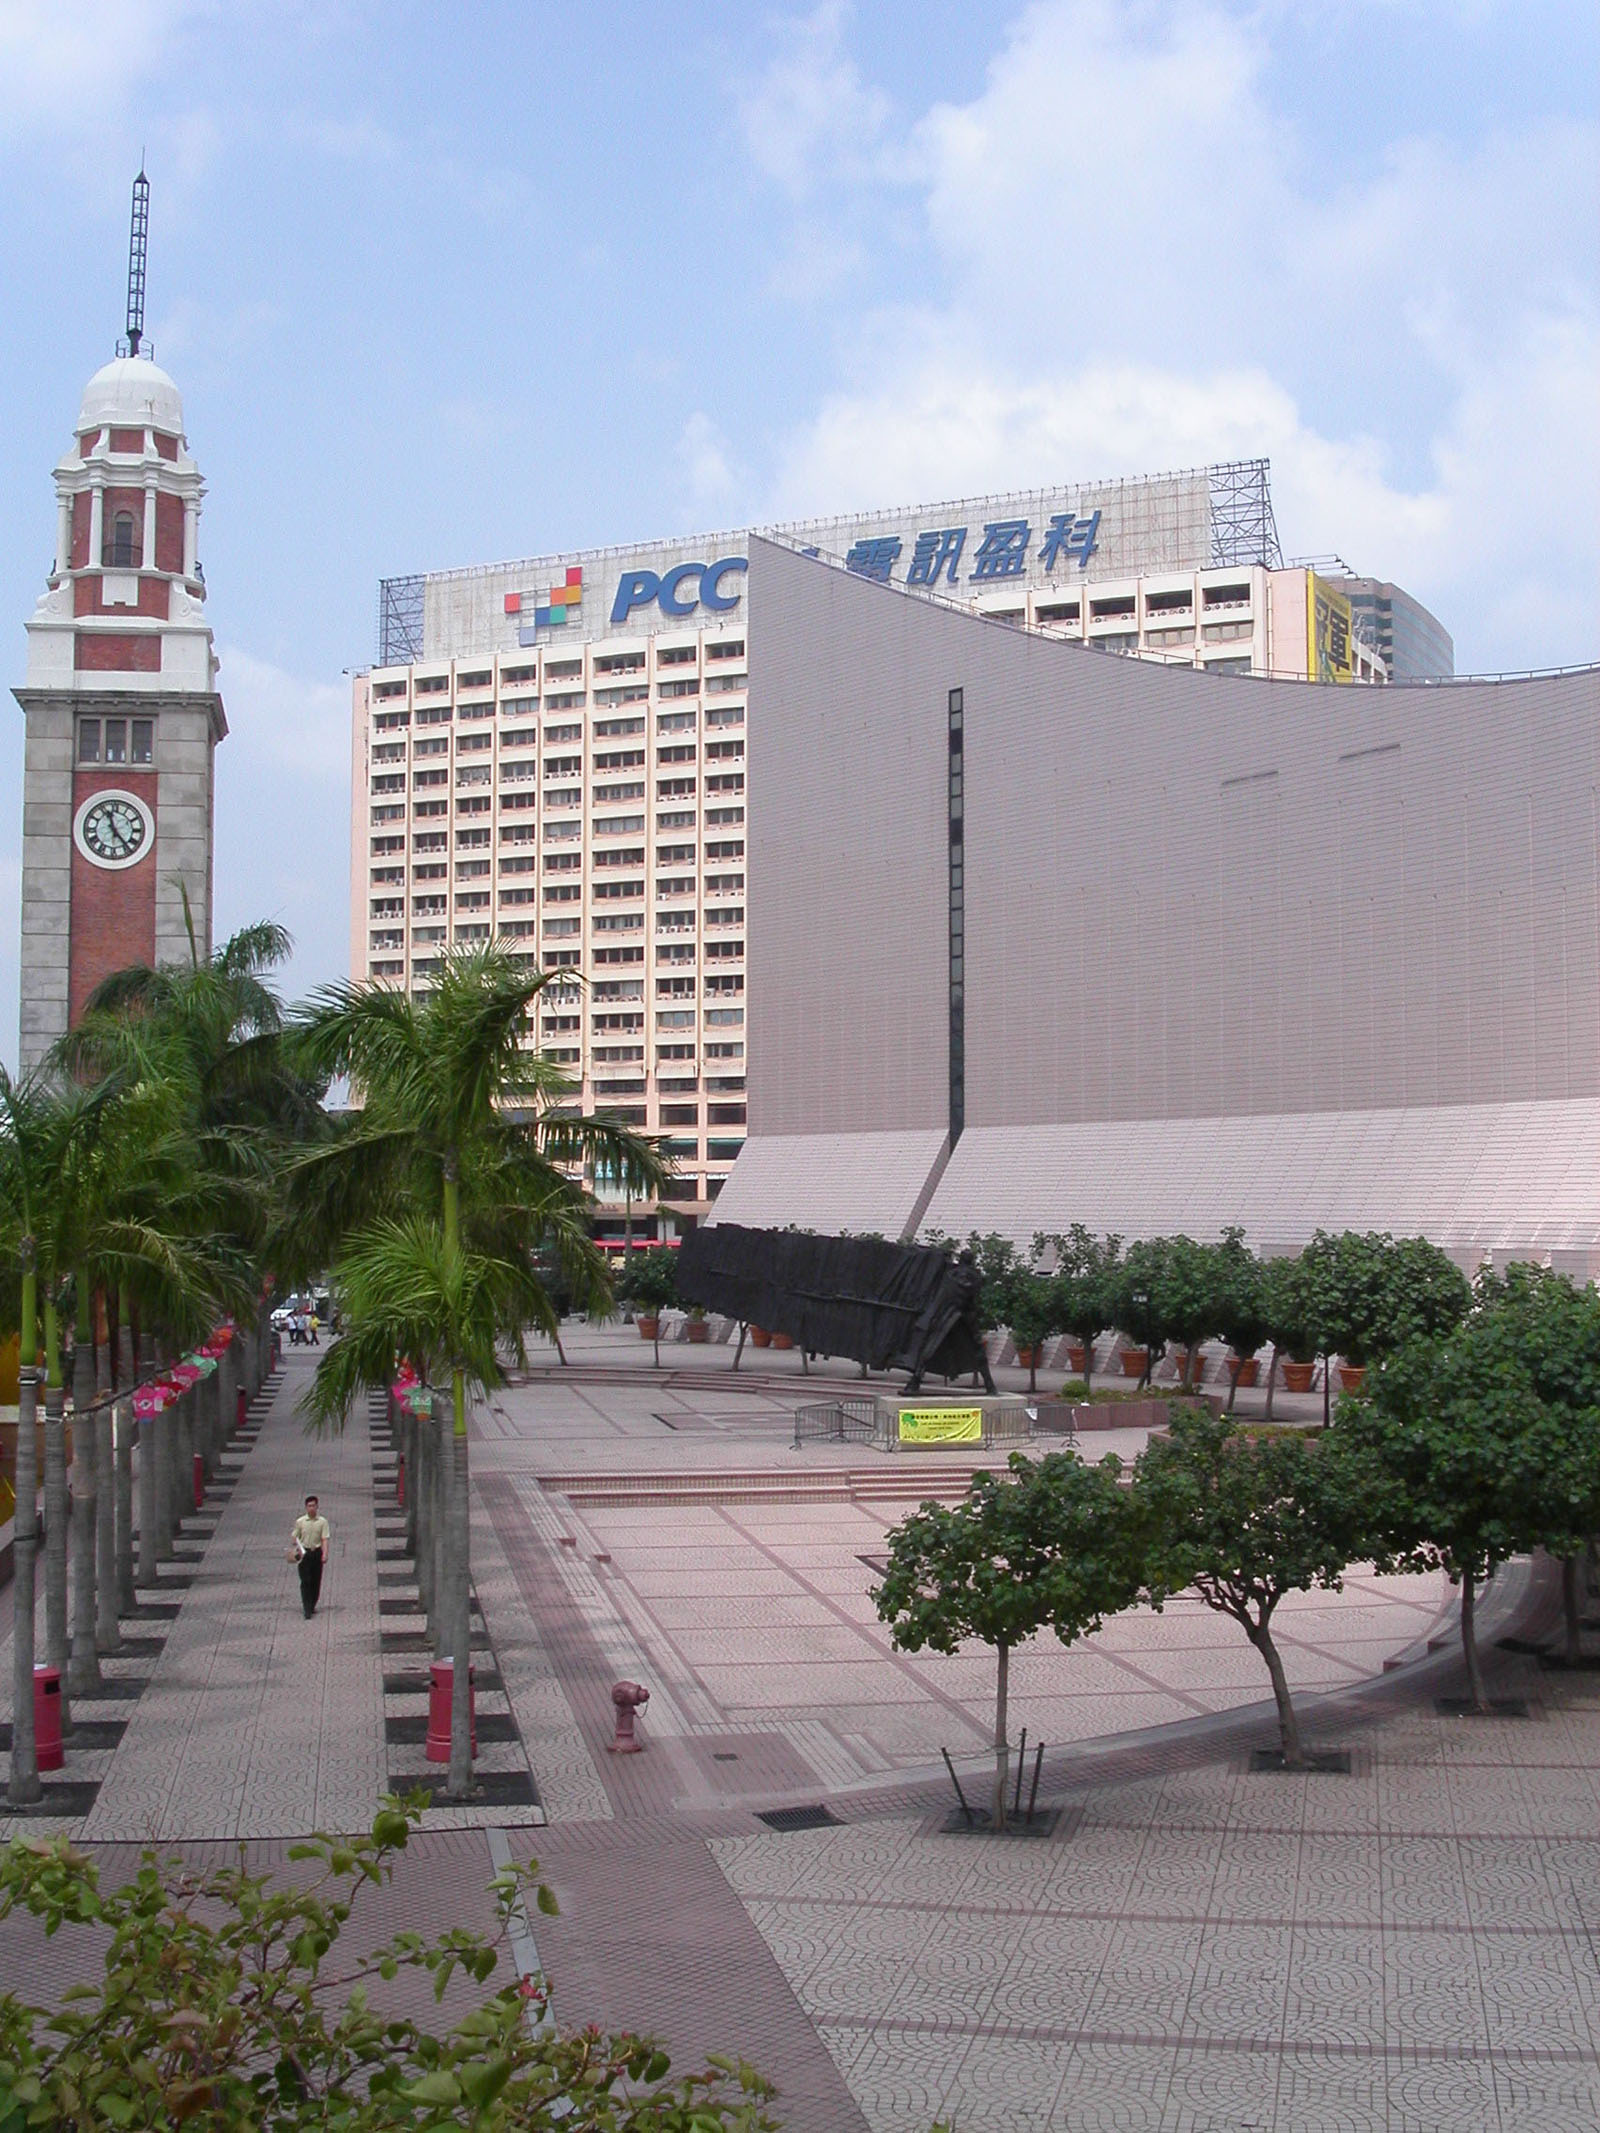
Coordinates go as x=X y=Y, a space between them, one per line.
x=114 y=829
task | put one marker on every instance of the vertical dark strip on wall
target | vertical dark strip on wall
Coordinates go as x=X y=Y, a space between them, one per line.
x=958 y=921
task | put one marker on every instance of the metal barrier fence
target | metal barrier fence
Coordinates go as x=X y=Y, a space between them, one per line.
x=836 y=1422
x=877 y=1420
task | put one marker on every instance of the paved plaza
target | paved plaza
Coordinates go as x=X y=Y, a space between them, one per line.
x=1411 y=1943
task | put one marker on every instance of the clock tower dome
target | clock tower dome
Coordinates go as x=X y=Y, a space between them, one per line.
x=120 y=701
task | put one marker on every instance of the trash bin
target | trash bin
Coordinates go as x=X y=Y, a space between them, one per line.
x=47 y=1717
x=441 y=1687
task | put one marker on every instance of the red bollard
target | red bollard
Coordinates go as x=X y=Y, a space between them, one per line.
x=199 y=1482
x=441 y=1686
x=400 y=1481
x=47 y=1718
x=627 y=1696
x=244 y=1408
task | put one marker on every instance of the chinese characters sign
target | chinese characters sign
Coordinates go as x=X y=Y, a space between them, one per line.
x=1328 y=627
x=1001 y=551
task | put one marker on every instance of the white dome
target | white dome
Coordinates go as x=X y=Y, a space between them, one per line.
x=131 y=392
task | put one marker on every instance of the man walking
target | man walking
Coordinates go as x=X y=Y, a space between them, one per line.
x=309 y=1549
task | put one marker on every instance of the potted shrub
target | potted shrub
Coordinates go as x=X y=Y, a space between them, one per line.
x=1243 y=1320
x=760 y=1337
x=782 y=1340
x=699 y=1331
x=651 y=1284
x=1082 y=1280
x=1032 y=1313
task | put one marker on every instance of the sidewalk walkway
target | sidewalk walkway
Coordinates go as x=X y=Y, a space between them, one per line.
x=256 y=1722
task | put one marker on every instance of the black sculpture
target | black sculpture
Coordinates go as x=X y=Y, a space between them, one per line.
x=888 y=1306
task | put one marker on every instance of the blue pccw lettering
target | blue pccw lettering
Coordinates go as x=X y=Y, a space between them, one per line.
x=681 y=591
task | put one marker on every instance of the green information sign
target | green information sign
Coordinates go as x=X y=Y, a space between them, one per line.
x=941 y=1425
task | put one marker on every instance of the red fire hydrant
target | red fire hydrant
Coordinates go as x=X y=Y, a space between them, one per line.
x=199 y=1481
x=441 y=1687
x=47 y=1718
x=628 y=1696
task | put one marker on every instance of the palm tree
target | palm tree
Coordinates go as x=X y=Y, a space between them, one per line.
x=28 y=1142
x=44 y=1131
x=437 y=1198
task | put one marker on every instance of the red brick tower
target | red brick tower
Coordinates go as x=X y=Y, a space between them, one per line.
x=122 y=711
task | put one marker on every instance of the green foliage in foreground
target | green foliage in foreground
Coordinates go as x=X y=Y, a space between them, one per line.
x=225 y=2004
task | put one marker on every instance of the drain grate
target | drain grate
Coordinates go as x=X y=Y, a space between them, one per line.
x=800 y=1818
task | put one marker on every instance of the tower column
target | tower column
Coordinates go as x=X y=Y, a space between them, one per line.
x=63 y=535
x=97 y=519
x=191 y=536
x=147 y=559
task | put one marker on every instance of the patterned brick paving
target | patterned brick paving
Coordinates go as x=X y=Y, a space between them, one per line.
x=1413 y=1946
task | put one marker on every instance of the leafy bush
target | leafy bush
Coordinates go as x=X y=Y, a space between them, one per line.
x=220 y=2006
x=651 y=1282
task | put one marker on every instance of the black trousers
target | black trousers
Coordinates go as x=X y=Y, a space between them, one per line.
x=310 y=1580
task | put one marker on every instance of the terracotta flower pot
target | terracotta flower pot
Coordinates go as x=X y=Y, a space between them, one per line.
x=1244 y=1370
x=648 y=1328
x=760 y=1337
x=1352 y=1376
x=699 y=1329
x=1030 y=1358
x=782 y=1340
x=1133 y=1362
x=1297 y=1376
x=1077 y=1356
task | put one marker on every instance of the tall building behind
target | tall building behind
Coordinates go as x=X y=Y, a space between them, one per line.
x=1413 y=644
x=120 y=700
x=553 y=752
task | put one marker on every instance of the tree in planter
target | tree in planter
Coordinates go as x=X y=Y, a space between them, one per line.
x=1145 y=1291
x=1046 y=1544
x=998 y=1266
x=1288 y=1311
x=1461 y=1439
x=1032 y=1307
x=1243 y=1319
x=1558 y=1334
x=227 y=2001
x=652 y=1285
x=1191 y=1281
x=1084 y=1277
x=1243 y=1519
x=1368 y=1295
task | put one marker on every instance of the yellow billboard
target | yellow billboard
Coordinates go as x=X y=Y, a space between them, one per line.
x=941 y=1425
x=1329 y=654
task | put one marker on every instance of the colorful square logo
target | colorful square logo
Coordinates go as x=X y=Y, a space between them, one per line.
x=546 y=610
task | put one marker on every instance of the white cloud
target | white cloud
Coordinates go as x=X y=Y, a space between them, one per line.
x=704 y=456
x=283 y=812
x=1139 y=277
x=811 y=120
x=75 y=61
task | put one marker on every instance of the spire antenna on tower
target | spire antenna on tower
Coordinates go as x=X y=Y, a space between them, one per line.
x=138 y=247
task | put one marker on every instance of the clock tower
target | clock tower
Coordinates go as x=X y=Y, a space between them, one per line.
x=120 y=701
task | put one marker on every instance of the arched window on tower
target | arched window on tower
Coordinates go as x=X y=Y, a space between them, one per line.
x=122 y=548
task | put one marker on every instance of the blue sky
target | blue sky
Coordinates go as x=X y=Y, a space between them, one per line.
x=447 y=285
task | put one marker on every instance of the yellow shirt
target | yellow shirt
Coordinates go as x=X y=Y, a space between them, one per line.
x=311 y=1532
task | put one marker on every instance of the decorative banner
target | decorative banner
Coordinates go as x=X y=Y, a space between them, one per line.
x=941 y=1425
x=1330 y=632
